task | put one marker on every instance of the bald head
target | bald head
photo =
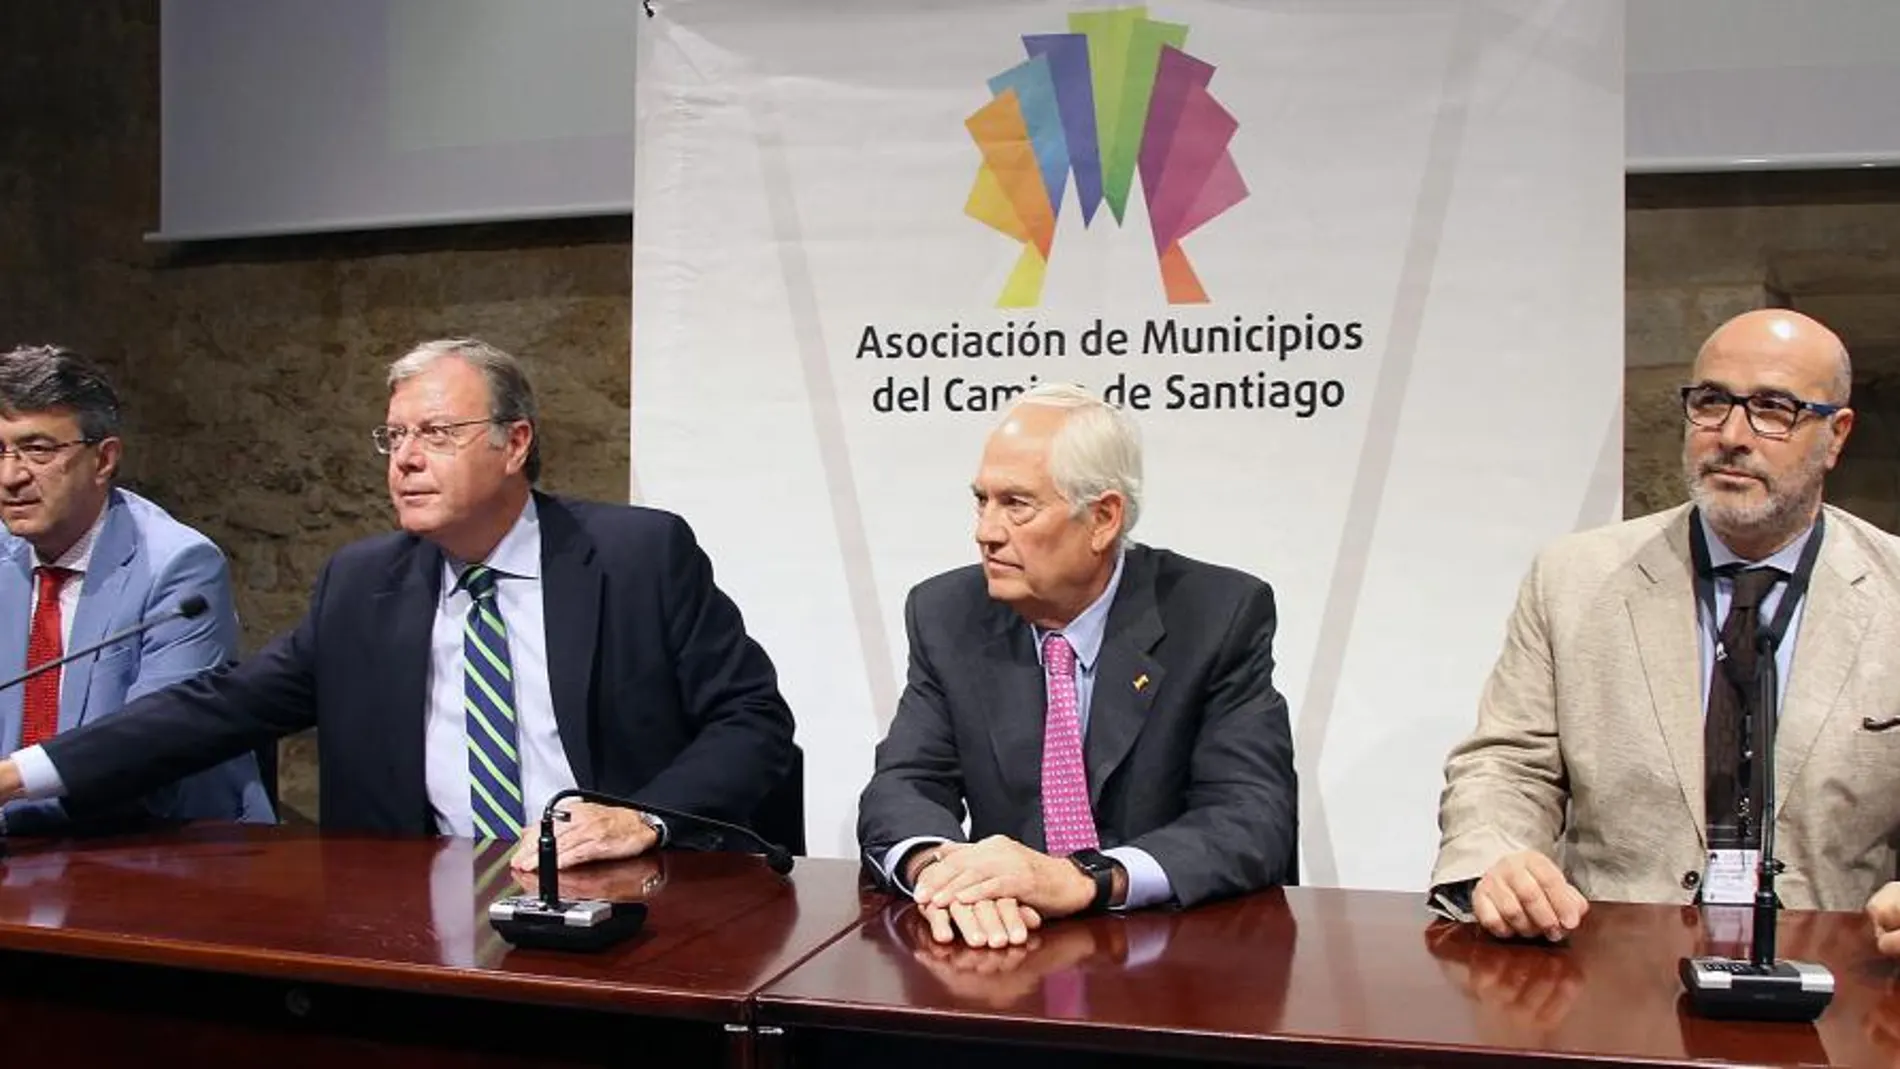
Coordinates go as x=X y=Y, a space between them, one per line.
x=1807 y=356
x=1758 y=479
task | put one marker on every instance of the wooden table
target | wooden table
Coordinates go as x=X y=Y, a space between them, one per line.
x=247 y=946
x=237 y=946
x=1313 y=977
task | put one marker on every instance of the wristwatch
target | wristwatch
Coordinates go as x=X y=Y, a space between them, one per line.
x=1099 y=867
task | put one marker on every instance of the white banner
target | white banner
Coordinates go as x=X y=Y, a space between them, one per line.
x=1355 y=266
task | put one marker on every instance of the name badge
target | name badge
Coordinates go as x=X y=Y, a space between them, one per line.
x=1730 y=879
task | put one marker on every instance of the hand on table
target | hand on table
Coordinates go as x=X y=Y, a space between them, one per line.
x=590 y=833
x=1525 y=894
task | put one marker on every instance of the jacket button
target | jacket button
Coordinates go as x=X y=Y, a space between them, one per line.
x=1690 y=879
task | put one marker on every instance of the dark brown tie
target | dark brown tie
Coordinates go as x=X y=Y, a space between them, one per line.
x=1734 y=802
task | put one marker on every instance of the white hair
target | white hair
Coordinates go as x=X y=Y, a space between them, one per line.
x=1097 y=449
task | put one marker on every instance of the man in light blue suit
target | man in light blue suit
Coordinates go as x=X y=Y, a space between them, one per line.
x=83 y=559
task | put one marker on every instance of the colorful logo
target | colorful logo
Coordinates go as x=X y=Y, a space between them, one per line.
x=1113 y=95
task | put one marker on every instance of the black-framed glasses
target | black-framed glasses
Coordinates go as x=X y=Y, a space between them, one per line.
x=1771 y=415
x=432 y=437
x=38 y=454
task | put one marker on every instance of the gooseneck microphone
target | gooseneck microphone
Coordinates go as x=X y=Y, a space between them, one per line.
x=777 y=858
x=546 y=922
x=1760 y=988
x=193 y=606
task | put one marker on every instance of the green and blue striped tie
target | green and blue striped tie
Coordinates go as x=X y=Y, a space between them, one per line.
x=494 y=755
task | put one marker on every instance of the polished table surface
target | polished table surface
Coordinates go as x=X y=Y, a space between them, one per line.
x=1315 y=976
x=410 y=915
x=1306 y=975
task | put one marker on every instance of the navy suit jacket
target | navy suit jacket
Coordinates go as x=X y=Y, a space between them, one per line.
x=143 y=564
x=658 y=692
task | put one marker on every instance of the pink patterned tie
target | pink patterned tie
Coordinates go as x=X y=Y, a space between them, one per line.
x=1067 y=823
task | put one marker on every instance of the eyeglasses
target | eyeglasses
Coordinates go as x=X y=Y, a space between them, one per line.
x=433 y=437
x=40 y=454
x=1016 y=508
x=1771 y=415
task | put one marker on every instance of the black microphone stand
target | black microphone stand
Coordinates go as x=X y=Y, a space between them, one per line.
x=546 y=922
x=1761 y=736
x=1761 y=988
x=189 y=609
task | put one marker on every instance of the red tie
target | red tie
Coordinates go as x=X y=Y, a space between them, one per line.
x=43 y=644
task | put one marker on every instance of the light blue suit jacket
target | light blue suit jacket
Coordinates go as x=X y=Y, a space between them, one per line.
x=143 y=564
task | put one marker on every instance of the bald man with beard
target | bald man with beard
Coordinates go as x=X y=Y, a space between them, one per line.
x=1608 y=761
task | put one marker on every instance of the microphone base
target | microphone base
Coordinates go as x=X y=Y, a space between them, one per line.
x=1731 y=989
x=584 y=925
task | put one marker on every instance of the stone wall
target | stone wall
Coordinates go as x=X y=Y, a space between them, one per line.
x=1704 y=247
x=252 y=369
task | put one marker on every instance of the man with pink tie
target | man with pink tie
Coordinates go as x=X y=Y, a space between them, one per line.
x=1103 y=713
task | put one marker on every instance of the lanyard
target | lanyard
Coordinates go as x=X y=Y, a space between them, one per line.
x=1797 y=583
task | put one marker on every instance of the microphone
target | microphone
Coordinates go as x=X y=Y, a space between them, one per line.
x=193 y=606
x=1762 y=987
x=546 y=922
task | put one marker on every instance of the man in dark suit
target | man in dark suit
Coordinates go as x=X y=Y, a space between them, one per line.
x=1075 y=692
x=505 y=645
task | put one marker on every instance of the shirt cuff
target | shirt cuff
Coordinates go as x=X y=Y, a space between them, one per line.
x=658 y=826
x=1147 y=884
x=38 y=778
x=1452 y=901
x=894 y=857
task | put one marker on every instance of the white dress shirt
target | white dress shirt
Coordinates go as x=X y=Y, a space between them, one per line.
x=76 y=559
x=516 y=561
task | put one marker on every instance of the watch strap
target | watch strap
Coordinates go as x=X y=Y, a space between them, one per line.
x=1100 y=868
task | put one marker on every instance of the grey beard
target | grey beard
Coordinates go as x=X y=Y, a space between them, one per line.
x=1781 y=514
x=1777 y=514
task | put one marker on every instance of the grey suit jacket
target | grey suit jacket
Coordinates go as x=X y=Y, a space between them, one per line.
x=1188 y=751
x=1589 y=738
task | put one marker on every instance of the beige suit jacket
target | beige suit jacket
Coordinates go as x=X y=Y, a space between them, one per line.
x=1589 y=738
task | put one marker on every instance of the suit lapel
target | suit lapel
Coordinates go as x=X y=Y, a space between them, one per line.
x=405 y=605
x=102 y=591
x=1126 y=678
x=572 y=586
x=1662 y=611
x=1834 y=621
x=16 y=610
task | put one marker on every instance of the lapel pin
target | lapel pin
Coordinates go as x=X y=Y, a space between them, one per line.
x=1141 y=682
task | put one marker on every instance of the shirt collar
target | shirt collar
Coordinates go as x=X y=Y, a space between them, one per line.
x=517 y=555
x=78 y=556
x=1086 y=631
x=1787 y=558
